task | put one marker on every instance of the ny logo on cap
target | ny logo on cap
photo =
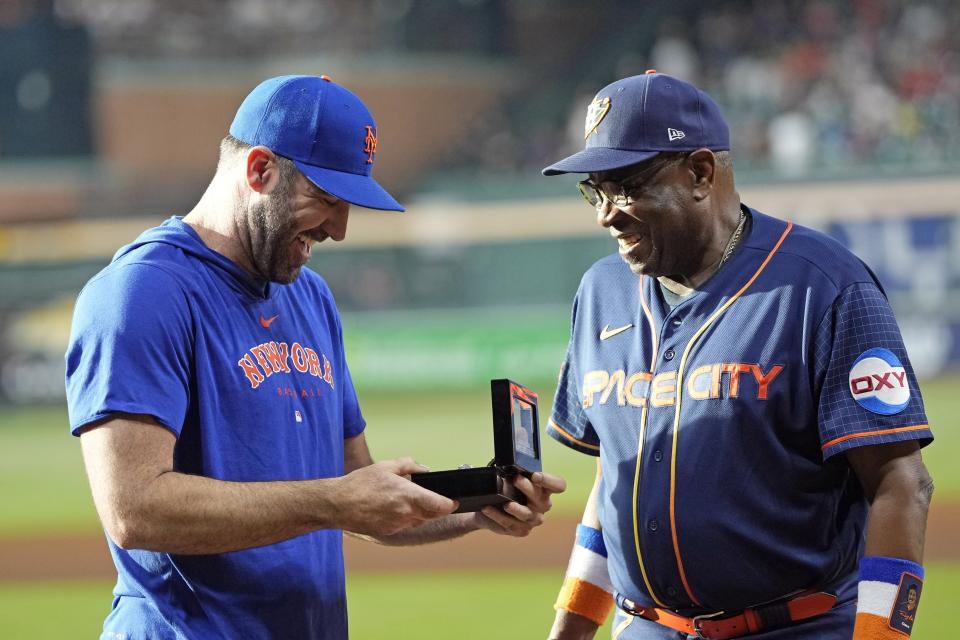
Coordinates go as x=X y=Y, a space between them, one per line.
x=595 y=113
x=675 y=134
x=370 y=144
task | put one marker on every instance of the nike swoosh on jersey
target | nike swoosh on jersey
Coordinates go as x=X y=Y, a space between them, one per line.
x=266 y=322
x=607 y=332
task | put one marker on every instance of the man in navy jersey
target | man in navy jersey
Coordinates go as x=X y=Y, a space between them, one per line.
x=219 y=425
x=746 y=390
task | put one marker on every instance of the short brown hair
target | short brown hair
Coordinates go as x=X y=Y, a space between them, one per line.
x=231 y=149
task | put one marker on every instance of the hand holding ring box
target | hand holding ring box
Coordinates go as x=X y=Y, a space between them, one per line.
x=516 y=441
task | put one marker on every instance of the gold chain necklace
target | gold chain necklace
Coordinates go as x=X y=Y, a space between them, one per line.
x=734 y=238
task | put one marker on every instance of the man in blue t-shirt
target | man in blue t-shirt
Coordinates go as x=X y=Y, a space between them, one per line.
x=206 y=380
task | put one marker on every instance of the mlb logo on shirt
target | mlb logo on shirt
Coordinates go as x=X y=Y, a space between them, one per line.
x=878 y=382
x=298 y=416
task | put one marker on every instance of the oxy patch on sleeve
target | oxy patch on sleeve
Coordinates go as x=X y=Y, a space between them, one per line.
x=878 y=382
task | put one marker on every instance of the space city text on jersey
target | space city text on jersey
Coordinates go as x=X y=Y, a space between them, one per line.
x=709 y=381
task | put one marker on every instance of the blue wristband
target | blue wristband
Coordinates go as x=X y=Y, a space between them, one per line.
x=592 y=539
x=883 y=569
x=887 y=598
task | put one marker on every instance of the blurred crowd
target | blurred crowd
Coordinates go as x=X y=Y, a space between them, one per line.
x=810 y=85
x=807 y=87
x=238 y=28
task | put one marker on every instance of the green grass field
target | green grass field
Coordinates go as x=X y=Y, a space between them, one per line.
x=45 y=492
x=422 y=606
x=442 y=431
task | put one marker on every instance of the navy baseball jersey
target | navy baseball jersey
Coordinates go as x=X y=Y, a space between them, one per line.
x=719 y=422
x=250 y=377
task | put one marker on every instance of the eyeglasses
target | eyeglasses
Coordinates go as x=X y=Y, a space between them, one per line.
x=626 y=189
x=595 y=196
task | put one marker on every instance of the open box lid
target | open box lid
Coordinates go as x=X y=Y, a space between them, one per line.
x=516 y=427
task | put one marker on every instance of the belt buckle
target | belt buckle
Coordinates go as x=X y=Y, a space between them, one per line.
x=697 y=620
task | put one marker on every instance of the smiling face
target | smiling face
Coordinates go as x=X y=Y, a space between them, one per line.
x=285 y=218
x=664 y=228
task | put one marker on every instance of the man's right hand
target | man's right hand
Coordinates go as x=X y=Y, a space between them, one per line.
x=380 y=500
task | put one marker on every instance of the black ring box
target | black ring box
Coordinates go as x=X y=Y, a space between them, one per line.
x=516 y=442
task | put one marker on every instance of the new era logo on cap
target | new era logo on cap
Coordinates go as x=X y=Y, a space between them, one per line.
x=626 y=122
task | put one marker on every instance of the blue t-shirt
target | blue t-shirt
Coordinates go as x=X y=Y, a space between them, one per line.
x=251 y=378
x=719 y=421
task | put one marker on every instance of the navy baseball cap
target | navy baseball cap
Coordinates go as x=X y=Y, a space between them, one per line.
x=636 y=118
x=323 y=128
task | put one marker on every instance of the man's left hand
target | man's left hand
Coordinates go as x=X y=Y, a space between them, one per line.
x=515 y=519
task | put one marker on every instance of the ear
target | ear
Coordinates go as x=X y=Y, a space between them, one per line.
x=703 y=168
x=262 y=172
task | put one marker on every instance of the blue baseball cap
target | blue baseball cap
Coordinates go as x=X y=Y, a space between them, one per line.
x=636 y=118
x=323 y=128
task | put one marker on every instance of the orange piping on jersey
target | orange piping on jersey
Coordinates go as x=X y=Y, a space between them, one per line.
x=569 y=437
x=636 y=489
x=676 y=415
x=643 y=428
x=867 y=434
x=653 y=329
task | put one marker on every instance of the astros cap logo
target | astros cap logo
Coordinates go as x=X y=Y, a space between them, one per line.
x=878 y=382
x=370 y=144
x=595 y=113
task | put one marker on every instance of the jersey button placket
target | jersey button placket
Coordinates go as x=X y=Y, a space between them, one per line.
x=669 y=354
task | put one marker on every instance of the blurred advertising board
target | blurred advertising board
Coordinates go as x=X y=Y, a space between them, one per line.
x=461 y=314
